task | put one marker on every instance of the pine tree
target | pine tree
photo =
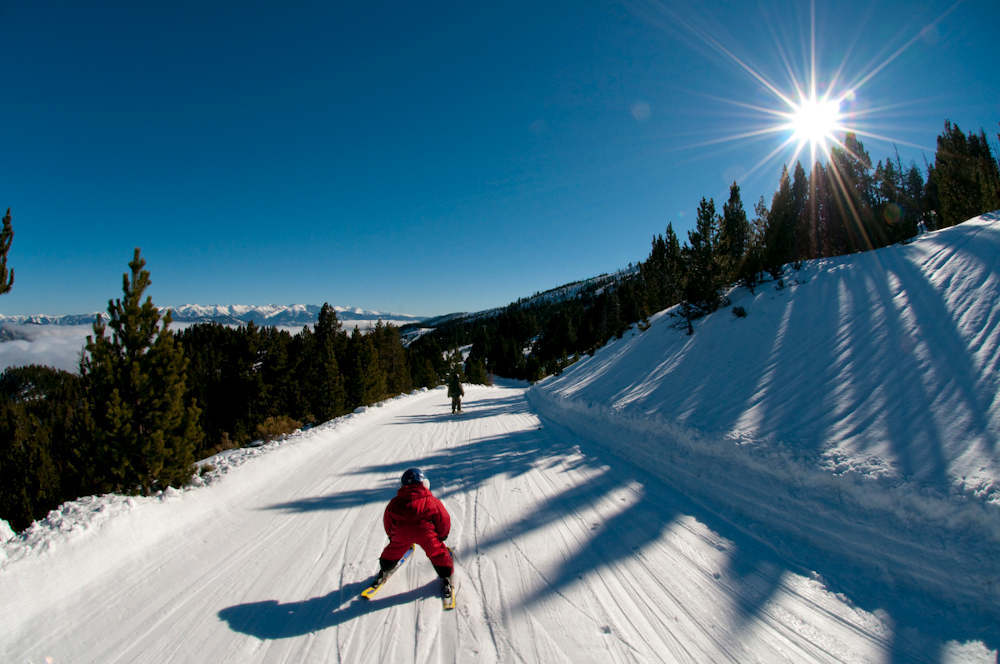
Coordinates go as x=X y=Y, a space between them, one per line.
x=392 y=359
x=910 y=202
x=734 y=235
x=808 y=243
x=327 y=384
x=144 y=430
x=6 y=237
x=475 y=372
x=213 y=356
x=652 y=271
x=753 y=262
x=800 y=220
x=365 y=381
x=701 y=278
x=954 y=176
x=673 y=269
x=426 y=360
x=779 y=238
x=854 y=190
x=965 y=176
x=39 y=449
x=931 y=201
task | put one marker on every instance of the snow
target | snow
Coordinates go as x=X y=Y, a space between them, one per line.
x=816 y=482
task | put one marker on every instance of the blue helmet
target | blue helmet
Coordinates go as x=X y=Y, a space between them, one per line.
x=414 y=476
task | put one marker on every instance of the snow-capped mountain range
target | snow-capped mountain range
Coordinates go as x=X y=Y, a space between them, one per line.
x=232 y=314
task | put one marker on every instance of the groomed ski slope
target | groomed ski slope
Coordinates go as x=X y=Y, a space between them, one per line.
x=566 y=554
x=620 y=512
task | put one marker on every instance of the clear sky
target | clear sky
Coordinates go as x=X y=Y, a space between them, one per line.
x=428 y=157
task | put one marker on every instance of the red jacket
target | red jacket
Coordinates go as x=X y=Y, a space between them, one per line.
x=415 y=515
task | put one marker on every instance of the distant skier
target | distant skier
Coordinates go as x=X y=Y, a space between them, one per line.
x=415 y=516
x=456 y=393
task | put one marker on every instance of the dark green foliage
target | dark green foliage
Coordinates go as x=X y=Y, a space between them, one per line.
x=365 y=380
x=965 y=175
x=931 y=201
x=143 y=431
x=559 y=338
x=244 y=375
x=898 y=195
x=40 y=464
x=734 y=236
x=6 y=237
x=475 y=372
x=393 y=362
x=328 y=394
x=249 y=376
x=702 y=277
x=779 y=232
x=753 y=260
x=662 y=273
x=426 y=361
x=854 y=196
x=129 y=423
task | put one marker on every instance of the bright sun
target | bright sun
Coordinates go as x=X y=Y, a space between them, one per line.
x=815 y=112
x=814 y=121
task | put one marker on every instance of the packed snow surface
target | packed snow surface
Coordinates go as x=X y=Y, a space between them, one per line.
x=815 y=482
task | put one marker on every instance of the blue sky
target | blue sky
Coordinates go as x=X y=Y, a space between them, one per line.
x=426 y=157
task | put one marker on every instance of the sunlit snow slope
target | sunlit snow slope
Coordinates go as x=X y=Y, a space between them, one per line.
x=634 y=509
x=853 y=415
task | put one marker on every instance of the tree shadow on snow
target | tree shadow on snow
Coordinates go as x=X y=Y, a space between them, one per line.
x=650 y=512
x=758 y=559
x=336 y=501
x=271 y=619
x=471 y=410
x=753 y=569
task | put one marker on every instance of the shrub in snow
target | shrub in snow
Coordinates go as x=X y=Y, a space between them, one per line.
x=739 y=312
x=274 y=427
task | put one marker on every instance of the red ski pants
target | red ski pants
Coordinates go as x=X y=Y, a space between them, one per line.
x=435 y=549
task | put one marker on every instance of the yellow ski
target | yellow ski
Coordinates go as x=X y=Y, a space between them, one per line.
x=370 y=591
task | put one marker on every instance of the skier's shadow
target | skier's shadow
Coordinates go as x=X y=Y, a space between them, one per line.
x=271 y=619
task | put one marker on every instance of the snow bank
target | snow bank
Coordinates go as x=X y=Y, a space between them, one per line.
x=942 y=545
x=855 y=408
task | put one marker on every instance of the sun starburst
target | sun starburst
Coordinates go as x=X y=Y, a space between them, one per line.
x=807 y=117
x=814 y=122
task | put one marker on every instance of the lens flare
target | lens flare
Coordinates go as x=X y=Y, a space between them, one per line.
x=814 y=121
x=813 y=111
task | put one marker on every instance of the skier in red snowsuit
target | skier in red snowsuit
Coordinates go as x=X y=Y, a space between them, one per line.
x=415 y=516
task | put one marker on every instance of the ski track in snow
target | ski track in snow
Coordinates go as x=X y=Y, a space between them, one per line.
x=564 y=553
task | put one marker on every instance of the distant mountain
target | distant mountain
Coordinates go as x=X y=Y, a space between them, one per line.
x=235 y=314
